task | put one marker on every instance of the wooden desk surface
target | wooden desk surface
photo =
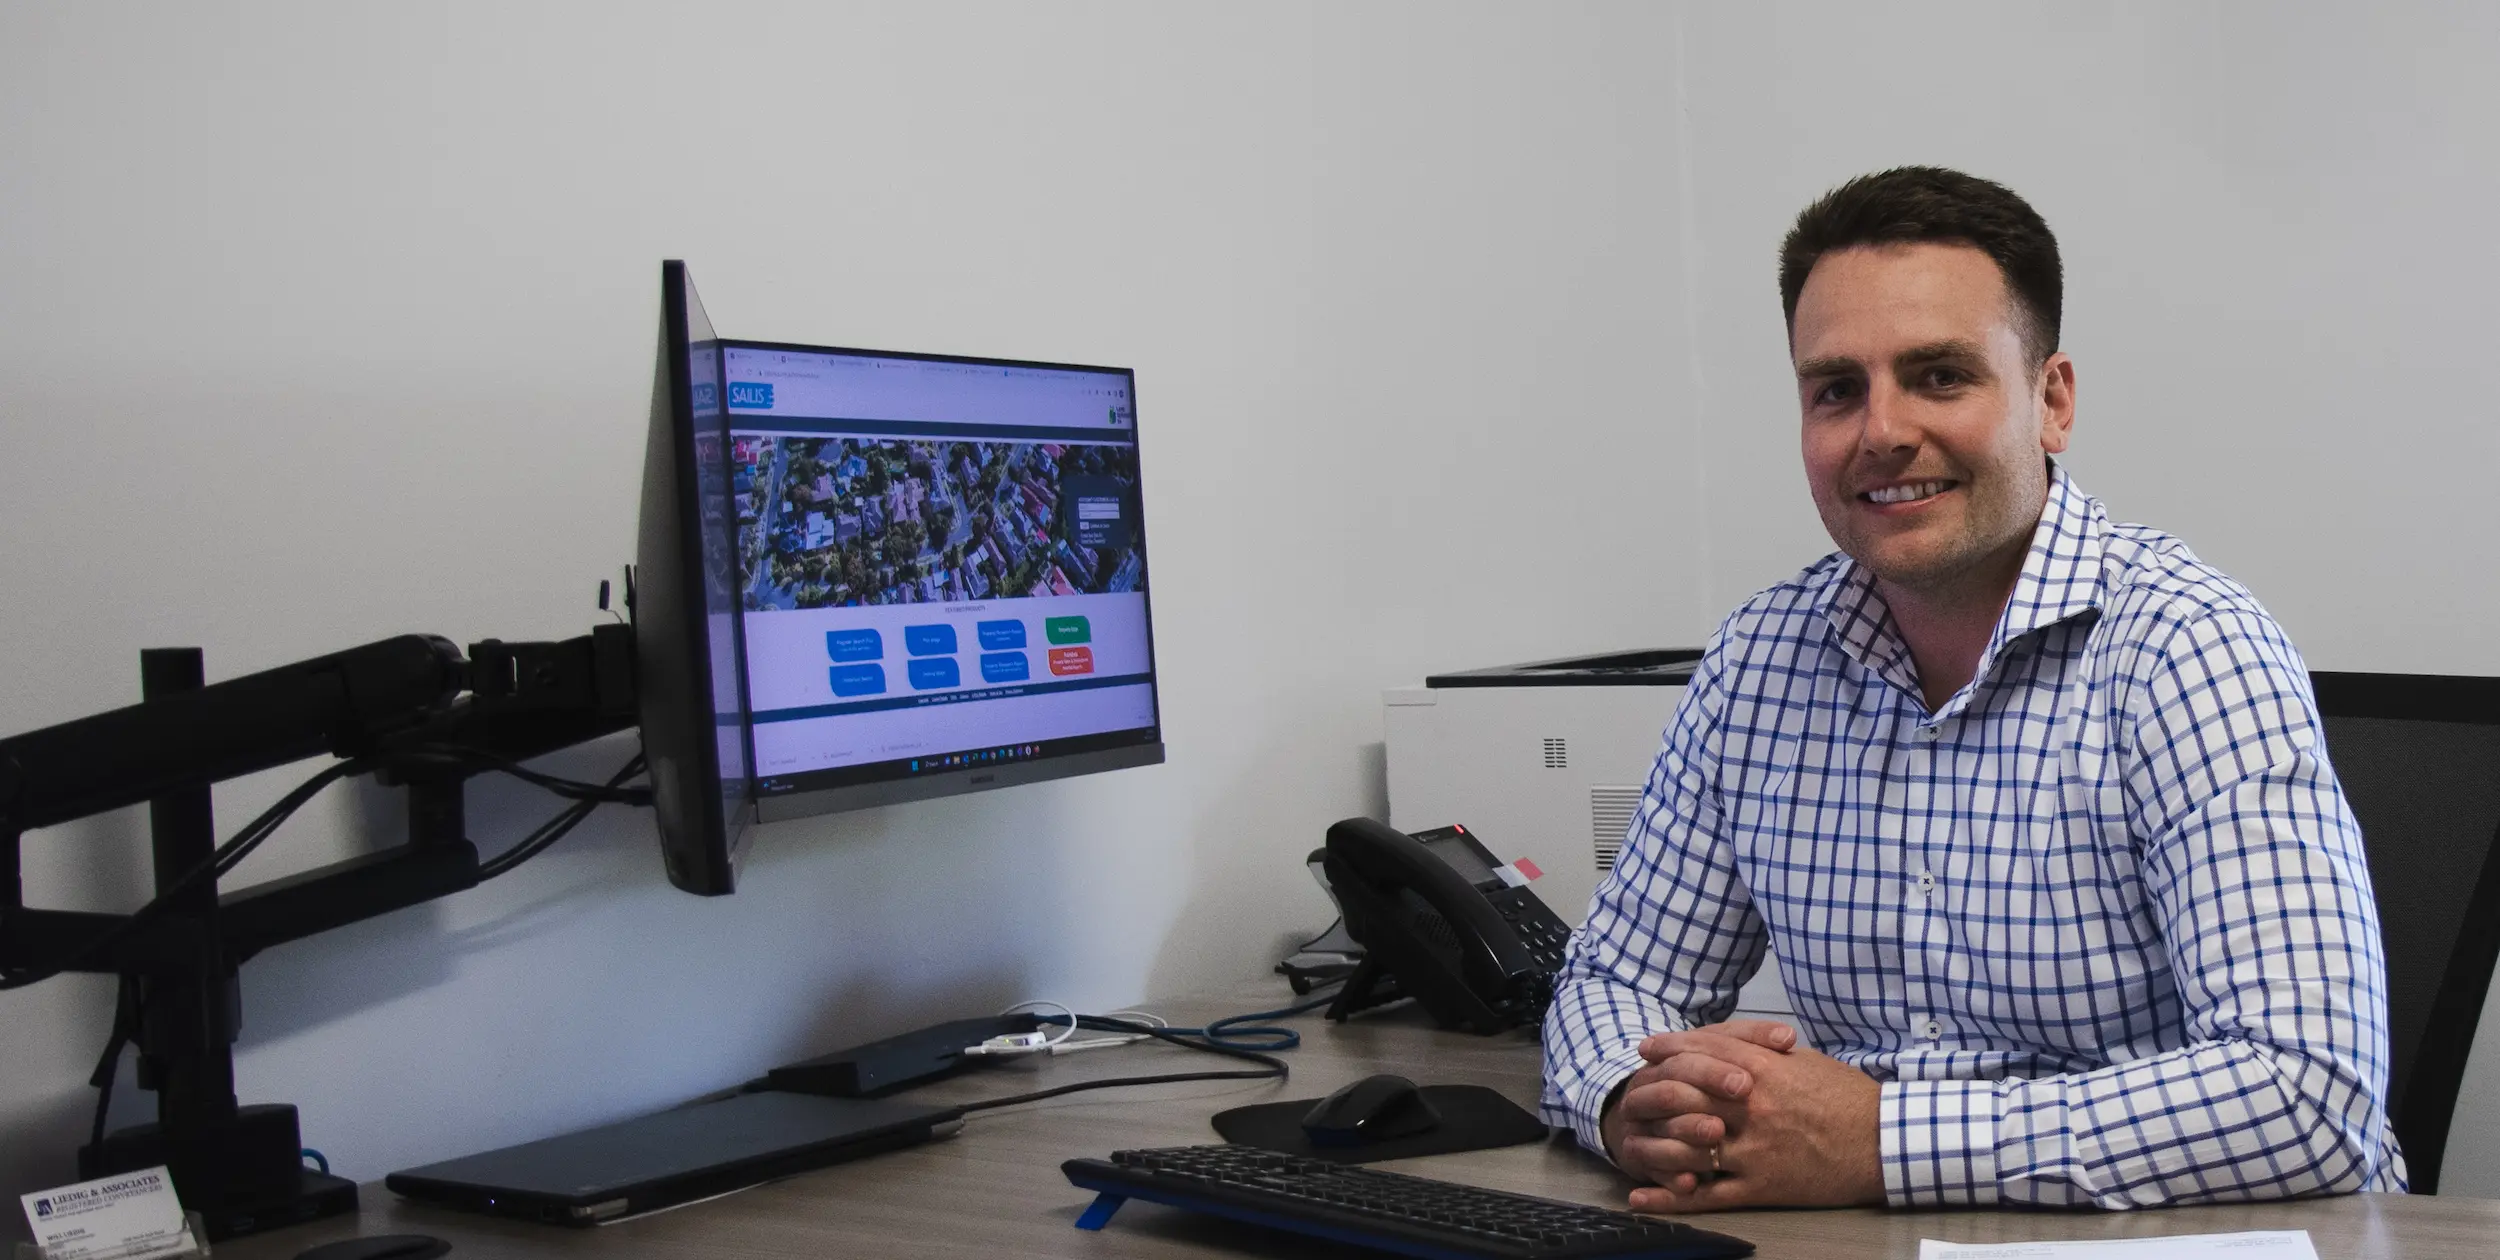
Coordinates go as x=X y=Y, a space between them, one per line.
x=996 y=1188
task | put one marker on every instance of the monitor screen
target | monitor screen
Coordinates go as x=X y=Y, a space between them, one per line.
x=942 y=573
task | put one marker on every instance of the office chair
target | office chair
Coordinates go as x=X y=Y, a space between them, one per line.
x=2419 y=759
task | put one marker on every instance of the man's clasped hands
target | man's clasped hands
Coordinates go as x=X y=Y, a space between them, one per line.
x=1739 y=1114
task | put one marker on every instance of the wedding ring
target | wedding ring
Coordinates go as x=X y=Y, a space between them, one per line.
x=1714 y=1159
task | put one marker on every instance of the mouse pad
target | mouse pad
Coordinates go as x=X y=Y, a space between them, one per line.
x=1473 y=1118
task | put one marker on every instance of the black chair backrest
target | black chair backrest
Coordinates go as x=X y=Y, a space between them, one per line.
x=2419 y=759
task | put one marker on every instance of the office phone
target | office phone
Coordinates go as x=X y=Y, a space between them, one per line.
x=1440 y=924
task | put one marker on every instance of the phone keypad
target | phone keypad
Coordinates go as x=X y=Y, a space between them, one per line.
x=1544 y=935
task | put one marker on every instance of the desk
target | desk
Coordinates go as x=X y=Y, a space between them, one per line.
x=996 y=1189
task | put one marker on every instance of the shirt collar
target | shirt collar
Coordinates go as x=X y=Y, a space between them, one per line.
x=2061 y=576
x=2060 y=580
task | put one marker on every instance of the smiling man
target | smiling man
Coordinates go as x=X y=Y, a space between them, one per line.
x=2033 y=809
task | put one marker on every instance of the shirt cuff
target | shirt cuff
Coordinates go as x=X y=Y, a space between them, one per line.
x=1939 y=1143
x=1586 y=1099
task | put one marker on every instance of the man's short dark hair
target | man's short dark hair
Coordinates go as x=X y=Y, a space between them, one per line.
x=1910 y=204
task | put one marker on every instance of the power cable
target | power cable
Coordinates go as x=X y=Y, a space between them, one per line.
x=1270 y=1067
x=554 y=829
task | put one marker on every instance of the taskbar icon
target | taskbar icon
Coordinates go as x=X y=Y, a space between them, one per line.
x=982 y=757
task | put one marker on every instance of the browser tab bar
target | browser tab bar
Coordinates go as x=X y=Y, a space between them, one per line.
x=809 y=385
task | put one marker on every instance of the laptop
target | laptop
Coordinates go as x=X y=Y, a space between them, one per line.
x=673 y=1157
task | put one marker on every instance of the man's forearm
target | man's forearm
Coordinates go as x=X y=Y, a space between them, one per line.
x=2228 y=1120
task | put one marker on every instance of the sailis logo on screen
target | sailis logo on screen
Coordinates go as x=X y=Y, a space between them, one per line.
x=754 y=395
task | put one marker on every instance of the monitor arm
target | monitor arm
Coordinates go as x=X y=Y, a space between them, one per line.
x=180 y=1001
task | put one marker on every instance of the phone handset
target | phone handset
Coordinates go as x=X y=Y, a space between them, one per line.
x=1420 y=921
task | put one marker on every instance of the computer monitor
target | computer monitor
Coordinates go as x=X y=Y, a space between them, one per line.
x=942 y=576
x=686 y=607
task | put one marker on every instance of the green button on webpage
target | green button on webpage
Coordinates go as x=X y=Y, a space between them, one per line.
x=1068 y=630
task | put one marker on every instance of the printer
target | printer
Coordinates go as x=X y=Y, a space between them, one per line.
x=1547 y=761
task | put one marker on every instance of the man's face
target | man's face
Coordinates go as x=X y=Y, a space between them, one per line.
x=1925 y=426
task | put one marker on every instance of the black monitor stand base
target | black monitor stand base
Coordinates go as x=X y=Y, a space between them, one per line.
x=315 y=1195
x=243 y=1175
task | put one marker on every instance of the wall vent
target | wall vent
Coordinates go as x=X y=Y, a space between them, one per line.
x=1557 y=754
x=1610 y=816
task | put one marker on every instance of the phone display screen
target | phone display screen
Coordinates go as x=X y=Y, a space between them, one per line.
x=1464 y=855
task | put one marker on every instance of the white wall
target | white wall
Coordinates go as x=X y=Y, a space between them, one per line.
x=325 y=323
x=1457 y=343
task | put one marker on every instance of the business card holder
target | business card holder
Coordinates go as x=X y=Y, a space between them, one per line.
x=198 y=1247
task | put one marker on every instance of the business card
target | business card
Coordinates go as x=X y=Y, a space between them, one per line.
x=132 y=1216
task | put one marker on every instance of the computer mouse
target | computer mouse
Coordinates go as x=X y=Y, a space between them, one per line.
x=379 y=1247
x=1373 y=1109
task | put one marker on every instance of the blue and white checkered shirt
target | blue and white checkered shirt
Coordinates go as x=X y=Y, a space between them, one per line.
x=2100 y=925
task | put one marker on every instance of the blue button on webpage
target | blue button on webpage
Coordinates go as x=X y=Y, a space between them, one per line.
x=936 y=671
x=1001 y=636
x=1000 y=667
x=854 y=645
x=859 y=680
x=938 y=640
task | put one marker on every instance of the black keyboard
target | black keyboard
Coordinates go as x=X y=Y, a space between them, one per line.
x=1413 y=1216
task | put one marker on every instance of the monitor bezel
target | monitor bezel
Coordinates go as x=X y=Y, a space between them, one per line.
x=700 y=836
x=801 y=800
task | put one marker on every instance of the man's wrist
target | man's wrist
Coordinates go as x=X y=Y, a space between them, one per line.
x=1610 y=1124
x=1589 y=1091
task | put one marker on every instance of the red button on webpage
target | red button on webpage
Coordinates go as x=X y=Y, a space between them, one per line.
x=1072 y=660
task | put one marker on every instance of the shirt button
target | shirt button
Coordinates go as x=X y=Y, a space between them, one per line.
x=1931 y=1030
x=1926 y=882
x=1926 y=734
